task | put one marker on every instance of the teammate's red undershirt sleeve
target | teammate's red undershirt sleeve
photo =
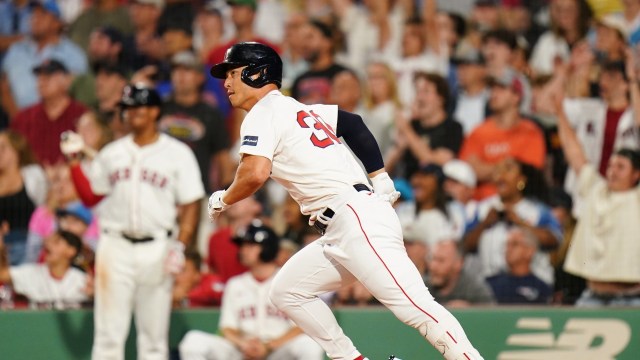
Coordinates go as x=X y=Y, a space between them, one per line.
x=83 y=187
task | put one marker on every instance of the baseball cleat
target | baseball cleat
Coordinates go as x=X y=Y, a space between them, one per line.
x=393 y=357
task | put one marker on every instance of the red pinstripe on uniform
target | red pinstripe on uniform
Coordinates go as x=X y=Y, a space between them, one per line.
x=393 y=277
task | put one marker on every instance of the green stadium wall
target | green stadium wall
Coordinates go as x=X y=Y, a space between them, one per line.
x=499 y=333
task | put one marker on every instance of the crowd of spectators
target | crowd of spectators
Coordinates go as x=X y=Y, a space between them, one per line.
x=510 y=127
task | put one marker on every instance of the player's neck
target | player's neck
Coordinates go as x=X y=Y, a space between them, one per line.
x=258 y=94
x=146 y=136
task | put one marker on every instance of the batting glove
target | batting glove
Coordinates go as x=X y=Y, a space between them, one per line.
x=383 y=187
x=216 y=205
x=174 y=262
x=71 y=144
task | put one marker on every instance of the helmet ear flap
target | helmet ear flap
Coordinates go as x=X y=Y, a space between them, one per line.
x=264 y=72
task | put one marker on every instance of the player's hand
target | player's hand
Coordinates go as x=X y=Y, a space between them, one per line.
x=71 y=144
x=174 y=263
x=319 y=217
x=216 y=205
x=384 y=188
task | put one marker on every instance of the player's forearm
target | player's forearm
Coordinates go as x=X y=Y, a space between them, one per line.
x=188 y=222
x=252 y=173
x=82 y=185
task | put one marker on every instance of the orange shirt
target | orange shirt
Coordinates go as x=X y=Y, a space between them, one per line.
x=491 y=144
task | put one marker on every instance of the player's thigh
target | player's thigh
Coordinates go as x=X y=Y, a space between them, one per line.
x=310 y=272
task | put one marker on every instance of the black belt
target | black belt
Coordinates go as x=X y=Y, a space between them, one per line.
x=138 y=239
x=328 y=213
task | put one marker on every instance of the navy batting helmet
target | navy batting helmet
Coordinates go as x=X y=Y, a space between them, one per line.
x=259 y=59
x=139 y=95
x=258 y=233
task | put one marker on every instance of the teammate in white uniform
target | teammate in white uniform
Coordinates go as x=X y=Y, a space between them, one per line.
x=141 y=179
x=251 y=326
x=54 y=284
x=299 y=147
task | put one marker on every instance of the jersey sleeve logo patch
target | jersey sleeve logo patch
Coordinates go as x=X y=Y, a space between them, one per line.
x=250 y=140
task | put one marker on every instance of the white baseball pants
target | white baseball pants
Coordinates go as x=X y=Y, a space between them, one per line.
x=364 y=241
x=199 y=345
x=130 y=278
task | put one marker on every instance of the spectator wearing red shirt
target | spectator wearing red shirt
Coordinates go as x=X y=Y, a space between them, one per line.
x=42 y=124
x=223 y=252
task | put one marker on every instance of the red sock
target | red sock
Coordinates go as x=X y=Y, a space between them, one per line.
x=359 y=358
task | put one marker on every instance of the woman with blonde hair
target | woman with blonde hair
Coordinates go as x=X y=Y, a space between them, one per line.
x=381 y=102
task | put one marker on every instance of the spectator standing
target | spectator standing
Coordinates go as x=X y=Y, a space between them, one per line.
x=521 y=192
x=449 y=282
x=56 y=113
x=144 y=46
x=504 y=134
x=23 y=187
x=102 y=13
x=293 y=62
x=54 y=284
x=518 y=284
x=251 y=327
x=46 y=41
x=314 y=85
x=431 y=136
x=605 y=249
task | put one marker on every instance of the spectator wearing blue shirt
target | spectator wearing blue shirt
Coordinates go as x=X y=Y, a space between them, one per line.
x=518 y=285
x=44 y=42
x=15 y=22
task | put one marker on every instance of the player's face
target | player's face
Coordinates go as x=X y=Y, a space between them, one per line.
x=240 y=94
x=141 y=117
x=249 y=254
x=506 y=178
x=620 y=174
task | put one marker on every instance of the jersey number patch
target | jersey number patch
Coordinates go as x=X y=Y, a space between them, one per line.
x=322 y=135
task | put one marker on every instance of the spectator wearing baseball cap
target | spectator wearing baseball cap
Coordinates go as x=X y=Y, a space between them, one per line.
x=611 y=38
x=57 y=112
x=45 y=41
x=188 y=118
x=103 y=13
x=460 y=186
x=504 y=134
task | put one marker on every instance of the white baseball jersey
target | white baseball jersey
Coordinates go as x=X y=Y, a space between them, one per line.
x=36 y=283
x=144 y=183
x=246 y=307
x=307 y=157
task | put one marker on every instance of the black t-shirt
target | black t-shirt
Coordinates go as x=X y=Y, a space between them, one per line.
x=200 y=126
x=448 y=134
x=312 y=87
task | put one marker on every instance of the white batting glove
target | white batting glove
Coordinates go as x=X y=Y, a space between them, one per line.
x=216 y=205
x=383 y=187
x=174 y=263
x=71 y=144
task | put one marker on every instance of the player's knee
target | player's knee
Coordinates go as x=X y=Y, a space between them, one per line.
x=278 y=294
x=193 y=343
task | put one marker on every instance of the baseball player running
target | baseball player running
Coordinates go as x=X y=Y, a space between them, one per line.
x=251 y=326
x=140 y=181
x=300 y=147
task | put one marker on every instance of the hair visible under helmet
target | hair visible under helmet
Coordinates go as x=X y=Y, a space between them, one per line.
x=259 y=60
